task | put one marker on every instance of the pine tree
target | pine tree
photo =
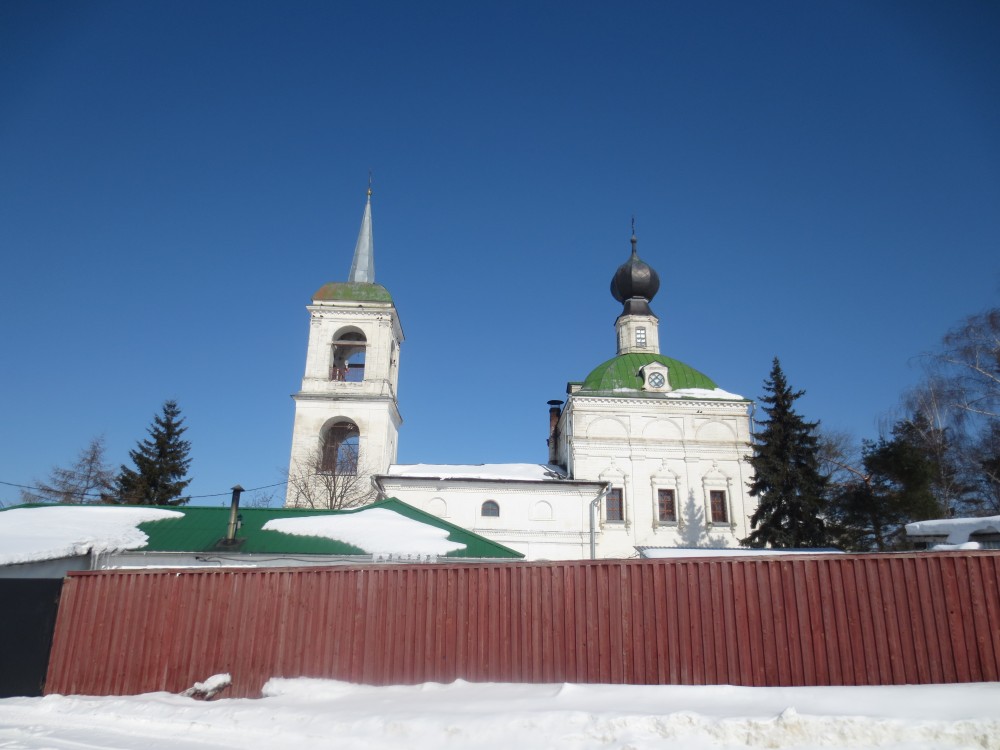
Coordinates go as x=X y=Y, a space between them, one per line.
x=161 y=464
x=896 y=487
x=787 y=480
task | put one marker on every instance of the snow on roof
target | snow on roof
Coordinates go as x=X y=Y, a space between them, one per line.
x=505 y=472
x=957 y=529
x=51 y=532
x=378 y=531
x=952 y=547
x=716 y=393
x=658 y=552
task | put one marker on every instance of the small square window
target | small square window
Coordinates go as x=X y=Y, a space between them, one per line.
x=615 y=506
x=640 y=336
x=718 y=502
x=667 y=506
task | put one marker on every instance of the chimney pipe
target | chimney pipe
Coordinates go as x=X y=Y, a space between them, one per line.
x=233 y=515
x=554 y=412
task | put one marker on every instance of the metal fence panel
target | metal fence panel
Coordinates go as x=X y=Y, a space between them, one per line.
x=817 y=620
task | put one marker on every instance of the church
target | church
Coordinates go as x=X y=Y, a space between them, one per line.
x=645 y=454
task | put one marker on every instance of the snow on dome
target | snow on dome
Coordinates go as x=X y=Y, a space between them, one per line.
x=716 y=393
x=957 y=529
x=378 y=531
x=504 y=472
x=51 y=532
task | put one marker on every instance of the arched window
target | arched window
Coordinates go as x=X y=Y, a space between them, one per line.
x=491 y=509
x=348 y=360
x=340 y=449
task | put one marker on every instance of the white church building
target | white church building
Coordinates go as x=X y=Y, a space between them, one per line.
x=645 y=452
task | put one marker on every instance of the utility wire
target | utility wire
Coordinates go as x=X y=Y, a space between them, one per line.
x=98 y=495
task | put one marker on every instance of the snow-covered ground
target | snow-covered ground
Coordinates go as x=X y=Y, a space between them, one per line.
x=320 y=713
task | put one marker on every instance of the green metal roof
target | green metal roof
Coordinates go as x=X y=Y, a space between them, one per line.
x=353 y=292
x=201 y=529
x=622 y=373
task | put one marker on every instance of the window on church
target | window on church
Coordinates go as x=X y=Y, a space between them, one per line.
x=348 y=360
x=614 y=505
x=640 y=336
x=667 y=506
x=340 y=449
x=491 y=509
x=717 y=499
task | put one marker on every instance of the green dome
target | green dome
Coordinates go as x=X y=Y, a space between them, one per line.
x=622 y=372
x=353 y=292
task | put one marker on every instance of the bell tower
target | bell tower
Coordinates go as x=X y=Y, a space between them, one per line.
x=346 y=413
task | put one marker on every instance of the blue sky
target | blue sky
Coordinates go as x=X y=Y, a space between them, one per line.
x=818 y=181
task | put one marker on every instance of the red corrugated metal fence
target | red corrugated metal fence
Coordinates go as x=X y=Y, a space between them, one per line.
x=829 y=620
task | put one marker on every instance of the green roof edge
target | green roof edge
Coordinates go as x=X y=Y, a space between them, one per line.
x=353 y=291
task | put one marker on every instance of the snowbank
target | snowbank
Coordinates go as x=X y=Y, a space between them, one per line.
x=319 y=713
x=51 y=532
x=379 y=531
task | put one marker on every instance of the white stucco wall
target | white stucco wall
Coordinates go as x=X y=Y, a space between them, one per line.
x=370 y=404
x=646 y=444
x=545 y=520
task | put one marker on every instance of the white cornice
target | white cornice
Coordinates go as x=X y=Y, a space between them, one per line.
x=639 y=401
x=355 y=307
x=573 y=489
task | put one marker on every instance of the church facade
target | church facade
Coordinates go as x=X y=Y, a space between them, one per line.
x=645 y=451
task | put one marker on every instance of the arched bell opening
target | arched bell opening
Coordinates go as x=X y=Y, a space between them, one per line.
x=347 y=363
x=340 y=449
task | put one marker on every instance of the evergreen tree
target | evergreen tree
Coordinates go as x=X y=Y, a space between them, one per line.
x=161 y=464
x=896 y=487
x=787 y=480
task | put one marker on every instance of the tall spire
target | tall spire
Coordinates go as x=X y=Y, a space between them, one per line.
x=363 y=265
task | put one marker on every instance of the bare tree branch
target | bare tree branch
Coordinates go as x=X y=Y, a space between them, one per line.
x=83 y=482
x=313 y=484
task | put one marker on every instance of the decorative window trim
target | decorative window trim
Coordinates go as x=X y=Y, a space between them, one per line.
x=717 y=481
x=655 y=384
x=665 y=479
x=618 y=481
x=659 y=497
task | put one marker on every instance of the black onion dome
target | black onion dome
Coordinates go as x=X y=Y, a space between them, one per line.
x=634 y=284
